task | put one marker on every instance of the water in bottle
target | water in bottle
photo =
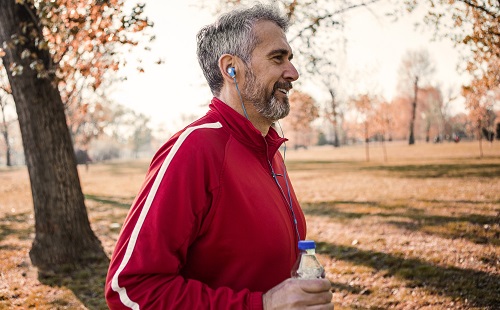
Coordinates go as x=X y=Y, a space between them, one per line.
x=307 y=265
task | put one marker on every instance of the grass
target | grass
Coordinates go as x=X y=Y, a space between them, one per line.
x=421 y=231
x=477 y=228
x=477 y=287
x=457 y=170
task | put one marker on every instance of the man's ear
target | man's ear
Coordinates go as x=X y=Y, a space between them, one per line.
x=228 y=67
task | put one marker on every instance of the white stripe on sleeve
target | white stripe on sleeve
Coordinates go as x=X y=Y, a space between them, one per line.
x=145 y=209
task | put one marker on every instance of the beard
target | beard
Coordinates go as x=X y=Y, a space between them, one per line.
x=266 y=103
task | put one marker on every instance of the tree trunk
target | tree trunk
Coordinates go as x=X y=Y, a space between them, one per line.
x=427 y=131
x=8 y=161
x=411 y=140
x=63 y=236
x=367 y=143
x=480 y=138
x=5 y=134
x=384 y=148
x=336 y=142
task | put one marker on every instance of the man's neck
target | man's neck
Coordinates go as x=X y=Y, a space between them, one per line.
x=261 y=123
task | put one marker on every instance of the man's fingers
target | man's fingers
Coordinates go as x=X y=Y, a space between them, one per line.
x=321 y=307
x=321 y=298
x=315 y=285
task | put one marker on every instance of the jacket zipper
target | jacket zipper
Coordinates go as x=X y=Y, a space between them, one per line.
x=289 y=201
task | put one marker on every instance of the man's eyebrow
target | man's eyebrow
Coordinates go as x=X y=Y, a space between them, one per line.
x=282 y=52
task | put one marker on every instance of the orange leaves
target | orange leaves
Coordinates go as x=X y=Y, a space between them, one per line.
x=298 y=123
x=363 y=103
x=303 y=110
x=476 y=25
x=86 y=35
x=140 y=25
x=84 y=39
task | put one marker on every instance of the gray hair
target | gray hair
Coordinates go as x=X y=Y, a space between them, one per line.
x=233 y=34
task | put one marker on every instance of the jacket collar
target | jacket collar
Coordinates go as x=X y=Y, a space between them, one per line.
x=244 y=131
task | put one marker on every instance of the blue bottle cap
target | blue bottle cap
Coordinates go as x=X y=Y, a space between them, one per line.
x=306 y=245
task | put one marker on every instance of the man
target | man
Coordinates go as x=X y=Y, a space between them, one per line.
x=216 y=222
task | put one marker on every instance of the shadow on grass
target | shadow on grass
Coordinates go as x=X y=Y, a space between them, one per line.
x=475 y=288
x=112 y=201
x=86 y=283
x=478 y=228
x=15 y=224
x=423 y=171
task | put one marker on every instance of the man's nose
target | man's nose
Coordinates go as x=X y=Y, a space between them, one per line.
x=291 y=74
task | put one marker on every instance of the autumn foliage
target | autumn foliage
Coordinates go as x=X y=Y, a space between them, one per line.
x=87 y=44
x=303 y=111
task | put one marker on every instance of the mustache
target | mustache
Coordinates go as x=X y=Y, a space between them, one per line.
x=285 y=85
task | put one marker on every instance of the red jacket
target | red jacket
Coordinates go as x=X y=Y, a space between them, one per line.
x=210 y=227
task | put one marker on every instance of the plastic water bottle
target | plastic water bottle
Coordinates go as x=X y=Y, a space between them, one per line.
x=307 y=265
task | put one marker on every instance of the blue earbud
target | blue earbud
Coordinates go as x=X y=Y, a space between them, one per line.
x=232 y=73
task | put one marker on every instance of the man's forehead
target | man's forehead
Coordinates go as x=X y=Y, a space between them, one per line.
x=271 y=38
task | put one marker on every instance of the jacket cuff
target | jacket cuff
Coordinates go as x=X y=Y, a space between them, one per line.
x=256 y=301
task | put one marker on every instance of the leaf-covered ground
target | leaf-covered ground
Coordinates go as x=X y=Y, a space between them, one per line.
x=420 y=231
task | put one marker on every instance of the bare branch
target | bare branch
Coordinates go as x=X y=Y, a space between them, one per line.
x=480 y=8
x=318 y=19
x=40 y=31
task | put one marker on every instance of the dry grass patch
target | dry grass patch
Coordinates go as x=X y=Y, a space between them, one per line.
x=420 y=231
x=427 y=228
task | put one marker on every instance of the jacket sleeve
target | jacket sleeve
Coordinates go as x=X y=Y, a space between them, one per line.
x=164 y=220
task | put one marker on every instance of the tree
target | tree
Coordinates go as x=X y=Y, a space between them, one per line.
x=330 y=75
x=497 y=131
x=449 y=96
x=480 y=100
x=460 y=126
x=129 y=127
x=332 y=114
x=5 y=130
x=400 y=113
x=48 y=44
x=415 y=67
x=303 y=111
x=432 y=111
x=383 y=123
x=142 y=136
x=5 y=97
x=364 y=104
x=474 y=24
x=63 y=233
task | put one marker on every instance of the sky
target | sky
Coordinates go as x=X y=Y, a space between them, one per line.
x=171 y=93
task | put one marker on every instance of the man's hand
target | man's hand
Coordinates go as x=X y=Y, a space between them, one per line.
x=299 y=294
